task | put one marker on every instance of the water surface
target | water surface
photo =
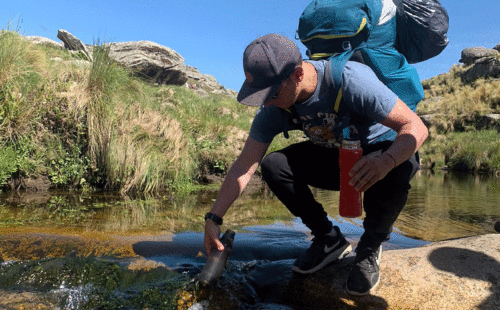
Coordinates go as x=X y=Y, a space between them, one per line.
x=114 y=231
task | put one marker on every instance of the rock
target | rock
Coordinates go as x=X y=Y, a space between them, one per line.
x=483 y=67
x=145 y=265
x=199 y=306
x=13 y=299
x=207 y=82
x=497 y=47
x=497 y=226
x=472 y=54
x=44 y=41
x=489 y=121
x=454 y=274
x=162 y=64
x=73 y=43
x=41 y=183
x=202 y=93
x=427 y=119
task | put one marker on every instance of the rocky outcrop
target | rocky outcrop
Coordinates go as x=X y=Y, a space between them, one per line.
x=204 y=83
x=162 y=64
x=455 y=274
x=483 y=68
x=485 y=63
x=72 y=43
x=471 y=54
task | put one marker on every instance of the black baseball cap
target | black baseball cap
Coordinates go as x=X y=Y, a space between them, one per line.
x=267 y=62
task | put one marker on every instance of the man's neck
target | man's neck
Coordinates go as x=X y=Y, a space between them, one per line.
x=309 y=83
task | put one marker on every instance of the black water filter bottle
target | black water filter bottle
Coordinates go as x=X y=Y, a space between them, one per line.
x=217 y=260
x=497 y=226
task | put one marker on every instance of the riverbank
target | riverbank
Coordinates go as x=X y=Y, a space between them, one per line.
x=67 y=122
x=70 y=123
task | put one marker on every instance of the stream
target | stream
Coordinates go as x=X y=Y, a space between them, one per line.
x=67 y=250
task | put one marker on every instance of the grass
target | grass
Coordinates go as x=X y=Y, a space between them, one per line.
x=464 y=151
x=458 y=139
x=95 y=125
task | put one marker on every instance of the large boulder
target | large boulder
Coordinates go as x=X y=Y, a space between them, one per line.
x=472 y=54
x=162 y=64
x=497 y=47
x=483 y=68
x=455 y=274
x=73 y=43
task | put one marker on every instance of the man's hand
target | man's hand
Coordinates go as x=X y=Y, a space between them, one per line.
x=212 y=241
x=370 y=169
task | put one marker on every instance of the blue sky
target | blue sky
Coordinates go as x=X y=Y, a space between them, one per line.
x=212 y=34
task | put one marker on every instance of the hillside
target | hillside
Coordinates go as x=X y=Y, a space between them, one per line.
x=462 y=110
x=73 y=117
x=133 y=117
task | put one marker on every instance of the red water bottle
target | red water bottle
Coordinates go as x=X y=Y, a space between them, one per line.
x=350 y=198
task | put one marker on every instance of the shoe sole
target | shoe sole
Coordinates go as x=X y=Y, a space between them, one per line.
x=344 y=251
x=362 y=294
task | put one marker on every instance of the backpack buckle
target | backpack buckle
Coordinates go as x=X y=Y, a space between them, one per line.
x=346 y=45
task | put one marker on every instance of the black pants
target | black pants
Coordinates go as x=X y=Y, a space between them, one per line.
x=290 y=171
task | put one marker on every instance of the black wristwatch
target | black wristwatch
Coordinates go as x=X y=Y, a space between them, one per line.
x=213 y=217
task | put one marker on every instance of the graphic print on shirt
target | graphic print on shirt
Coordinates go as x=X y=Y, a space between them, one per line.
x=325 y=129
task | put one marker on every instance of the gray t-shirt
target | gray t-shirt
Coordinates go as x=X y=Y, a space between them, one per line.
x=367 y=100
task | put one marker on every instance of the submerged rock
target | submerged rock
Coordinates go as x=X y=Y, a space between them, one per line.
x=86 y=283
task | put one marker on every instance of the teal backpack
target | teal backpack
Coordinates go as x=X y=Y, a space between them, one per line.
x=368 y=31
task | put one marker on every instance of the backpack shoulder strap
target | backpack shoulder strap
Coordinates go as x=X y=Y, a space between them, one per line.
x=334 y=71
x=331 y=82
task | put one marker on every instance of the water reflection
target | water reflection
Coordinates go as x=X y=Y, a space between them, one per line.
x=440 y=205
x=451 y=205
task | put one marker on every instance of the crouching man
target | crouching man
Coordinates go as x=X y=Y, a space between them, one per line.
x=293 y=94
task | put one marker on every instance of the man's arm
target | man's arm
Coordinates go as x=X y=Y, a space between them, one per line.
x=235 y=182
x=411 y=134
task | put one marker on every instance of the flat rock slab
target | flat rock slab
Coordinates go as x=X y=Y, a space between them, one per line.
x=455 y=274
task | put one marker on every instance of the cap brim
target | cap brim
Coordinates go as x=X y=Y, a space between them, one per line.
x=252 y=96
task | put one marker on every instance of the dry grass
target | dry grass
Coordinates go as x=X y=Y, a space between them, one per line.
x=148 y=151
x=456 y=105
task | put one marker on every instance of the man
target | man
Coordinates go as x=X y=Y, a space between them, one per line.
x=294 y=95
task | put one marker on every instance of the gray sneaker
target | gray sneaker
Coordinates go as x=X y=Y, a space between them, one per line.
x=365 y=274
x=322 y=251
